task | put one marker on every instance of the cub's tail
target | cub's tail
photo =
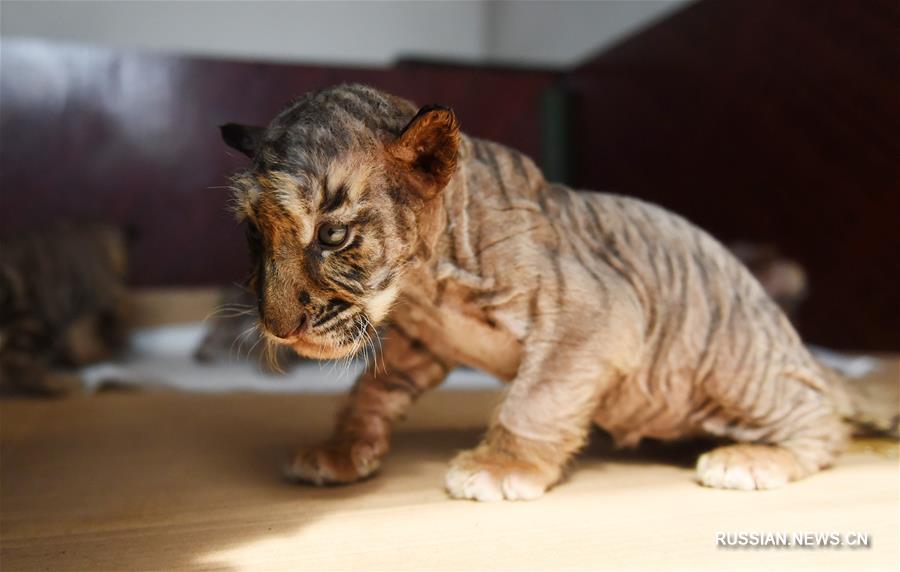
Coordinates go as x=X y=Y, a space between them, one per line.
x=869 y=390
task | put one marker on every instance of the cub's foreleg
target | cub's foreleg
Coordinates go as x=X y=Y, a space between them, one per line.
x=546 y=415
x=544 y=419
x=380 y=397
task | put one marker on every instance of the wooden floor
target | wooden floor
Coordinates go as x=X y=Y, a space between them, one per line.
x=170 y=481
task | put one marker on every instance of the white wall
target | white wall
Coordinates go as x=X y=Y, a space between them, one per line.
x=554 y=33
x=351 y=32
x=560 y=33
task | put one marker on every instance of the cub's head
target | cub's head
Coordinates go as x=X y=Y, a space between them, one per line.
x=341 y=197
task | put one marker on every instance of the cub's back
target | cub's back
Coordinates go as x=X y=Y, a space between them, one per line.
x=689 y=284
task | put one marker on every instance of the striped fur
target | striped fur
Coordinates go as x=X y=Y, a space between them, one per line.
x=62 y=305
x=597 y=308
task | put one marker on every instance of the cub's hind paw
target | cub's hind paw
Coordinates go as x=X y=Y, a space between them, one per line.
x=333 y=464
x=747 y=467
x=471 y=476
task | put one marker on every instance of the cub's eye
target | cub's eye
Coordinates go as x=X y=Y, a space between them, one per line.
x=333 y=235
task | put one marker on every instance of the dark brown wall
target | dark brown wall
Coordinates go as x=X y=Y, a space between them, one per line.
x=131 y=138
x=771 y=121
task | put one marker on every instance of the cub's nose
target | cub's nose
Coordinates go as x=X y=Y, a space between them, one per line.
x=286 y=328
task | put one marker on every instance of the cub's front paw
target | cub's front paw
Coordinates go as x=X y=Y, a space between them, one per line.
x=478 y=475
x=334 y=463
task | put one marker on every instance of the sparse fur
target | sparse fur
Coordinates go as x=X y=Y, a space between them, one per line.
x=596 y=308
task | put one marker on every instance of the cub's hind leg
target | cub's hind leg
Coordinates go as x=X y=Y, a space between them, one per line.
x=748 y=466
x=793 y=432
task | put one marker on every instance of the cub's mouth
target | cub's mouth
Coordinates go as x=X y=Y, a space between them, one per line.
x=333 y=342
x=316 y=350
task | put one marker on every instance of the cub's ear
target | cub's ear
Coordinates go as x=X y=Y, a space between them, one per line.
x=427 y=148
x=244 y=138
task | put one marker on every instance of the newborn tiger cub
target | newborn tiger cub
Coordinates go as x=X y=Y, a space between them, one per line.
x=595 y=308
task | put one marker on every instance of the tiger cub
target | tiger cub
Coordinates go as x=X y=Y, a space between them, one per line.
x=62 y=305
x=596 y=308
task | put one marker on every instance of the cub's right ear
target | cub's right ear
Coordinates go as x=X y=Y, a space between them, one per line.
x=244 y=138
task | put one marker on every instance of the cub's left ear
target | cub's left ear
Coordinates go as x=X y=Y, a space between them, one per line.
x=427 y=148
x=244 y=138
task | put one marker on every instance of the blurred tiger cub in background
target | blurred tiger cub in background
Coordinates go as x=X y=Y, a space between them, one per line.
x=62 y=305
x=596 y=308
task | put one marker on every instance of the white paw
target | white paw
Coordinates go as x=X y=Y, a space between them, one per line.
x=721 y=470
x=484 y=484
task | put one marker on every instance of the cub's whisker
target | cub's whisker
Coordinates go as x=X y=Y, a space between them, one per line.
x=271 y=353
x=240 y=340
